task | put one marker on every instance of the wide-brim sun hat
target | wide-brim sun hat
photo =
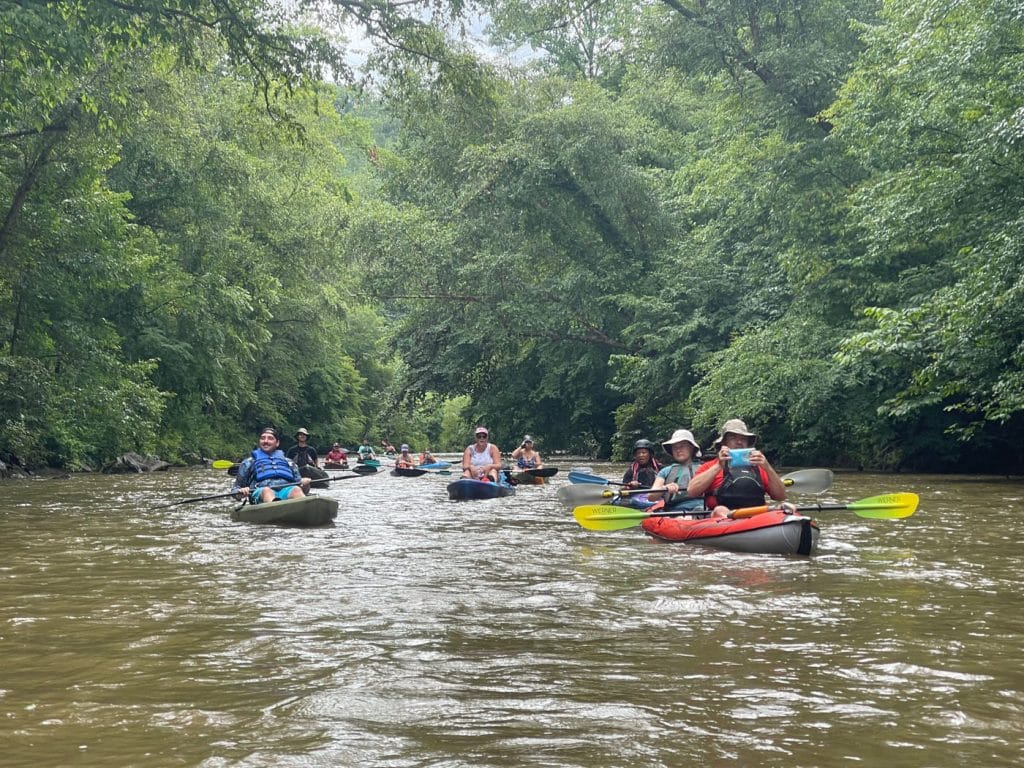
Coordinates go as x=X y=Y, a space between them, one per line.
x=735 y=427
x=680 y=436
x=302 y=431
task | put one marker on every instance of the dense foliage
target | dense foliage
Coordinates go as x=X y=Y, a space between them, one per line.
x=662 y=214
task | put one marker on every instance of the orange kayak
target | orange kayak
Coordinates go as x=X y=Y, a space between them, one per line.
x=773 y=533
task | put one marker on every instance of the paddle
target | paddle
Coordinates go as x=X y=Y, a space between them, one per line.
x=605 y=517
x=801 y=481
x=359 y=469
x=576 y=476
x=313 y=484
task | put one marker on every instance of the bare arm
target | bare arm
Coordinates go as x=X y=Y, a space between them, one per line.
x=701 y=482
x=775 y=487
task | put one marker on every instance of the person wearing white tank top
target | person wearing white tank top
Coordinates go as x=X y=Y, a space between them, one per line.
x=482 y=459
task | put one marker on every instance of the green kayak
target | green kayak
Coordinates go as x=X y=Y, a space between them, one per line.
x=307 y=511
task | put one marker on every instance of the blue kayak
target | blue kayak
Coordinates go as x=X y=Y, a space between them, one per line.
x=435 y=465
x=461 y=490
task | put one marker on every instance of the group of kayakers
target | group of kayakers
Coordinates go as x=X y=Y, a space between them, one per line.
x=738 y=476
x=482 y=459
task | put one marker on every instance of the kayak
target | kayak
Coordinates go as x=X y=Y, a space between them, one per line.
x=771 y=533
x=532 y=476
x=436 y=465
x=522 y=477
x=314 y=474
x=369 y=462
x=335 y=465
x=305 y=511
x=408 y=472
x=467 y=488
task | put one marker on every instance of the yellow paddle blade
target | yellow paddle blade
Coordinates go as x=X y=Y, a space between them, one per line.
x=887 y=506
x=606 y=517
x=223 y=464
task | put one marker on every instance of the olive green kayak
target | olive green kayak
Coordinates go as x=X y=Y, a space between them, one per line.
x=307 y=511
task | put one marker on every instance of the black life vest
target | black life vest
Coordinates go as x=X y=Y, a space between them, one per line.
x=741 y=487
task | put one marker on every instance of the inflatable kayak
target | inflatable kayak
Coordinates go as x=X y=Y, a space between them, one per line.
x=466 y=488
x=770 y=533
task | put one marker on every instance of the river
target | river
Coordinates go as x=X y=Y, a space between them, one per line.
x=422 y=632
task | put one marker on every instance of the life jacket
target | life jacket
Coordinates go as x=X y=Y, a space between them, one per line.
x=270 y=469
x=404 y=461
x=677 y=473
x=645 y=475
x=741 y=487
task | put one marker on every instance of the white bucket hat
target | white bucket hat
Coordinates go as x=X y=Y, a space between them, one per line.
x=681 y=436
x=736 y=427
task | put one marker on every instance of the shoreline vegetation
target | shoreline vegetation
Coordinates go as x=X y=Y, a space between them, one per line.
x=805 y=216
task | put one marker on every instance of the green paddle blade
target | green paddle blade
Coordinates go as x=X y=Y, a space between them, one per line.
x=605 y=517
x=889 y=506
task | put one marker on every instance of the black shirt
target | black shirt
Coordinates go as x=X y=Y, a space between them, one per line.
x=302 y=456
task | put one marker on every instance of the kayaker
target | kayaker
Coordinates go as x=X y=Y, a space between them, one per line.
x=738 y=476
x=267 y=474
x=675 y=477
x=644 y=470
x=427 y=457
x=366 y=451
x=302 y=453
x=481 y=460
x=387 y=446
x=525 y=456
x=336 y=455
x=404 y=459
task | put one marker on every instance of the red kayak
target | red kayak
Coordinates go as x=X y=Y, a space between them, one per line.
x=771 y=533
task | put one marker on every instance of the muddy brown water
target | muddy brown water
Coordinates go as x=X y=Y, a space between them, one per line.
x=422 y=632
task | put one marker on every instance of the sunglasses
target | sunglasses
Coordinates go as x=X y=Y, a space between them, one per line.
x=480 y=434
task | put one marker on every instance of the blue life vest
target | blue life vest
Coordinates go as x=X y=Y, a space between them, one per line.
x=271 y=469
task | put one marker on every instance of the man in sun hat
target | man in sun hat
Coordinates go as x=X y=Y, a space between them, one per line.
x=738 y=476
x=302 y=453
x=267 y=474
x=481 y=460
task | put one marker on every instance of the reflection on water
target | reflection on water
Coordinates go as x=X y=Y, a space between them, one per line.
x=419 y=631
